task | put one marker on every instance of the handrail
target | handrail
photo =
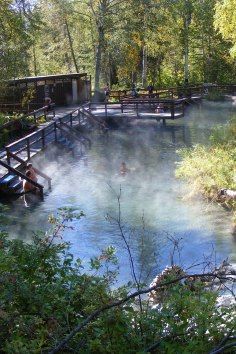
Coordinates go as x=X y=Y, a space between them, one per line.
x=102 y=125
x=69 y=133
x=76 y=132
x=140 y=100
x=29 y=136
x=20 y=174
x=43 y=109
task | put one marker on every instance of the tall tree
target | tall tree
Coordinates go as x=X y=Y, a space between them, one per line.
x=225 y=21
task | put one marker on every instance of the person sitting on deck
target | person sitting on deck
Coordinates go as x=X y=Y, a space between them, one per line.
x=123 y=168
x=160 y=108
x=27 y=186
x=48 y=102
x=29 y=167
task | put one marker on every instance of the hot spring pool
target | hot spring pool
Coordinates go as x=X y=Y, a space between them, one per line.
x=151 y=196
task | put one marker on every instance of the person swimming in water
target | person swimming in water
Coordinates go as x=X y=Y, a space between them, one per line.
x=123 y=168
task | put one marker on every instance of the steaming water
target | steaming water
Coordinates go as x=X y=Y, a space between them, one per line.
x=153 y=202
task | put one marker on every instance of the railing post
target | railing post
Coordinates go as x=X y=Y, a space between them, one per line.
x=71 y=119
x=41 y=193
x=172 y=110
x=35 y=119
x=121 y=106
x=183 y=108
x=8 y=156
x=28 y=148
x=60 y=126
x=106 y=109
x=55 y=130
x=43 y=138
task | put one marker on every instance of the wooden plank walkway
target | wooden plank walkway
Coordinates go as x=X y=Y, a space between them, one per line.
x=25 y=148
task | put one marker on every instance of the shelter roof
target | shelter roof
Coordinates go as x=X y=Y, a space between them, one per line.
x=48 y=77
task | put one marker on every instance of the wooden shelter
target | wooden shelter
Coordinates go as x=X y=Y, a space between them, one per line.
x=62 y=89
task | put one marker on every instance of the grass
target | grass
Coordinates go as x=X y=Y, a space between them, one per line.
x=209 y=169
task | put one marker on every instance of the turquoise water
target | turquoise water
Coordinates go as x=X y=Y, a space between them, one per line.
x=154 y=204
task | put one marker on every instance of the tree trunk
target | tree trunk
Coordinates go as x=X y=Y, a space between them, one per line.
x=98 y=57
x=186 y=52
x=35 y=63
x=144 y=67
x=71 y=46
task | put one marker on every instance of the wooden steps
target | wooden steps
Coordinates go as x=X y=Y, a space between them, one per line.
x=11 y=184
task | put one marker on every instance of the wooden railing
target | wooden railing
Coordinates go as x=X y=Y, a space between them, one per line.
x=172 y=92
x=42 y=112
x=28 y=146
x=18 y=108
x=39 y=139
x=170 y=104
x=18 y=123
x=87 y=115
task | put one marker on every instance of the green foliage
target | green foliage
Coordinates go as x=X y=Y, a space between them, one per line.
x=214 y=95
x=28 y=97
x=17 y=123
x=15 y=39
x=209 y=169
x=45 y=293
x=225 y=21
x=59 y=36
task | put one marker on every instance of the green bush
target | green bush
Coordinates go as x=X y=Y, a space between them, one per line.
x=45 y=293
x=209 y=169
x=214 y=95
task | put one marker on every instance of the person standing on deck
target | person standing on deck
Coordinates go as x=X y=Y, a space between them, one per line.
x=150 y=90
x=160 y=108
x=107 y=92
x=48 y=102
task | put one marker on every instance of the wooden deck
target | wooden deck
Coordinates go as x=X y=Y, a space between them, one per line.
x=140 y=109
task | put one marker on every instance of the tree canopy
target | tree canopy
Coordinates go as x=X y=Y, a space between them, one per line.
x=159 y=41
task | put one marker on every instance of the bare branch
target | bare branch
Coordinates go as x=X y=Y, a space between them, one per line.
x=117 y=303
x=222 y=349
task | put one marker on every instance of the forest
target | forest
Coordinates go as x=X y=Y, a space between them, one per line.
x=164 y=42
x=120 y=238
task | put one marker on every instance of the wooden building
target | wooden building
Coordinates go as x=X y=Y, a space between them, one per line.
x=62 y=89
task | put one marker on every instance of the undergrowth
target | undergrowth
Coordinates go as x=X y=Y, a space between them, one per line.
x=208 y=169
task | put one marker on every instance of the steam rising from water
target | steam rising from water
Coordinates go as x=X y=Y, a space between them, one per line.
x=148 y=189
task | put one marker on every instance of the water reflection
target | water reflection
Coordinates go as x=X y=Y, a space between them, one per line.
x=151 y=195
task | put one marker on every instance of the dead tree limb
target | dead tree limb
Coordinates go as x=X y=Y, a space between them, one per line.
x=117 y=303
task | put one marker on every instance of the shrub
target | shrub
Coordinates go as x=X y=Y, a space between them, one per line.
x=45 y=293
x=209 y=169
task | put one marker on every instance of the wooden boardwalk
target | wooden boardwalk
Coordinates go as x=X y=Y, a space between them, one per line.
x=61 y=129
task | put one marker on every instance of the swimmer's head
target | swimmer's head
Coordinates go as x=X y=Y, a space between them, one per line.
x=29 y=165
x=28 y=174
